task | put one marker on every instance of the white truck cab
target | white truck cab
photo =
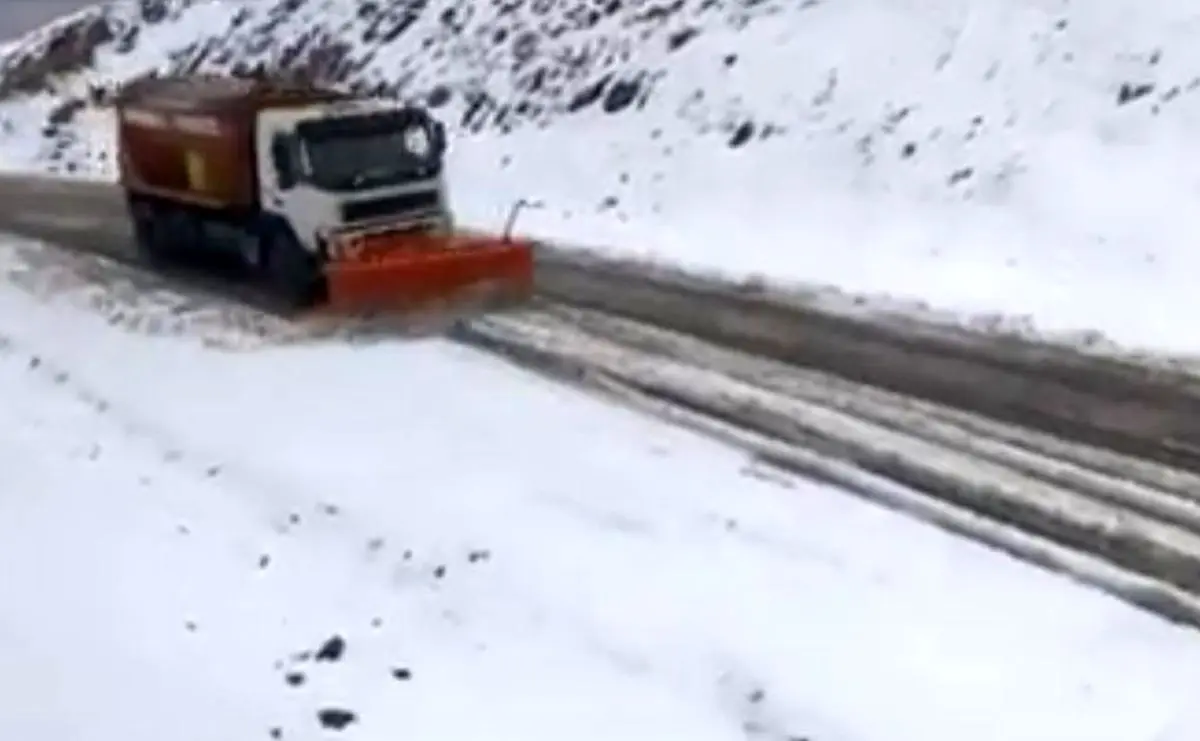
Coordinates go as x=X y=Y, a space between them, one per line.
x=350 y=166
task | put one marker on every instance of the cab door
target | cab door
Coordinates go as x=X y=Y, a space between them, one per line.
x=284 y=194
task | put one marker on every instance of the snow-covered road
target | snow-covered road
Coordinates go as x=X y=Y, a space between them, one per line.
x=544 y=565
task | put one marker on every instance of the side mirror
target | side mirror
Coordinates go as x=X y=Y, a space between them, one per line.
x=285 y=166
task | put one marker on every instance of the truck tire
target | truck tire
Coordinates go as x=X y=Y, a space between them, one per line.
x=289 y=271
x=164 y=235
x=149 y=236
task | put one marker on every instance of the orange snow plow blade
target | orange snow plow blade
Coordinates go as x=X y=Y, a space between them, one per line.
x=404 y=271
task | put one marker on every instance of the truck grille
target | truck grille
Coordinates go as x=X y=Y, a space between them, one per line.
x=398 y=205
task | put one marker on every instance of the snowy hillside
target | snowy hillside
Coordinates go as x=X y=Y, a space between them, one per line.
x=1030 y=157
x=443 y=548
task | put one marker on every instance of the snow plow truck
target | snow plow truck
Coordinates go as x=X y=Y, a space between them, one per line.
x=327 y=199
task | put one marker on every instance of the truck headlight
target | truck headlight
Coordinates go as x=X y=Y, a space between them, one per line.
x=416 y=141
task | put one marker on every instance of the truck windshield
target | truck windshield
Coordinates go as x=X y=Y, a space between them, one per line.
x=355 y=162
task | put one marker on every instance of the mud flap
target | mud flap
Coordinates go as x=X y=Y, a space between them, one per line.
x=430 y=273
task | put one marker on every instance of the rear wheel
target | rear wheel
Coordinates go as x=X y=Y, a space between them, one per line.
x=164 y=235
x=290 y=273
x=149 y=235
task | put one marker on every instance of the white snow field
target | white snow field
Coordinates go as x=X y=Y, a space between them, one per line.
x=1032 y=159
x=179 y=524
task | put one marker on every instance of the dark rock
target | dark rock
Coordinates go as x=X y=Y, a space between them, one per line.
x=958 y=176
x=479 y=555
x=621 y=95
x=153 y=11
x=438 y=96
x=524 y=48
x=676 y=40
x=479 y=105
x=332 y=649
x=742 y=134
x=128 y=40
x=335 y=719
x=1130 y=92
x=589 y=94
x=65 y=112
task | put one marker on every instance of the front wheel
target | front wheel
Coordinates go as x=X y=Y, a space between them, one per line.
x=290 y=272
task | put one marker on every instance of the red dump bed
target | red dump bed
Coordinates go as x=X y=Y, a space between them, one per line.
x=191 y=139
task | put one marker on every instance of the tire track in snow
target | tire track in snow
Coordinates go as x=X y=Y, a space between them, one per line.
x=1147 y=488
x=1128 y=526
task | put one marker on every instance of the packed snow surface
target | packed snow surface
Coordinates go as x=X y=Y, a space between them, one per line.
x=1030 y=158
x=203 y=543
